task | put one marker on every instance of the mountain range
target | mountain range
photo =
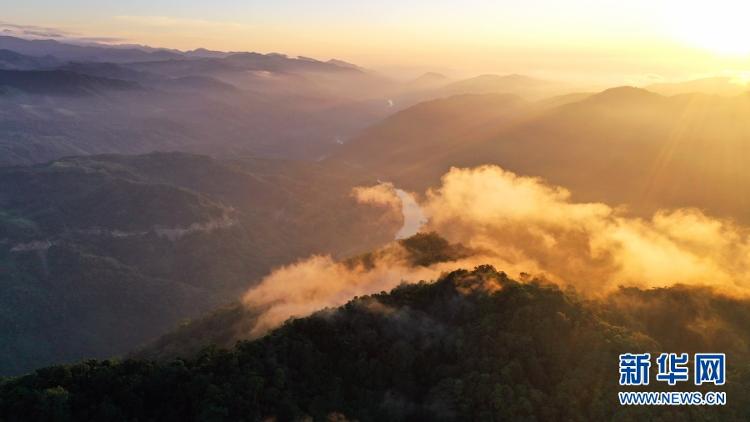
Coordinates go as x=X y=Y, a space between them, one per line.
x=627 y=146
x=211 y=235
x=138 y=100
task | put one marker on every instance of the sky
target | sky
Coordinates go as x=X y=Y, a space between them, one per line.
x=635 y=39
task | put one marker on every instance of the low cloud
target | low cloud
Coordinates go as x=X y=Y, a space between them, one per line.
x=381 y=194
x=34 y=32
x=525 y=222
x=522 y=225
x=320 y=282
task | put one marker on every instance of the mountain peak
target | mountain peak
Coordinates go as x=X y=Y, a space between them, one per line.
x=718 y=85
x=206 y=53
x=625 y=94
x=342 y=63
x=433 y=76
x=487 y=83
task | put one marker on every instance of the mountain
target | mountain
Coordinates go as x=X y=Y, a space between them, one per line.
x=636 y=148
x=198 y=113
x=101 y=99
x=429 y=80
x=46 y=51
x=225 y=326
x=341 y=63
x=10 y=60
x=472 y=345
x=185 y=84
x=106 y=70
x=524 y=86
x=101 y=254
x=418 y=132
x=432 y=86
x=196 y=84
x=90 y=52
x=621 y=146
x=715 y=86
x=275 y=62
x=206 y=54
x=59 y=82
x=278 y=75
x=240 y=62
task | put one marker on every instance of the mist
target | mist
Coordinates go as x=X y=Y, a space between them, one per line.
x=320 y=282
x=531 y=226
x=521 y=225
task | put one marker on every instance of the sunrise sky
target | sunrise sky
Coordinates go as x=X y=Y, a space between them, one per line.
x=632 y=41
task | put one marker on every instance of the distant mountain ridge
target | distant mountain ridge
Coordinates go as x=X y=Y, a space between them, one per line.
x=721 y=85
x=628 y=145
x=60 y=82
x=11 y=60
x=71 y=52
x=525 y=86
x=100 y=98
x=437 y=126
x=65 y=51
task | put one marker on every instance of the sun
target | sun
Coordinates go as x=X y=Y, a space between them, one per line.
x=720 y=25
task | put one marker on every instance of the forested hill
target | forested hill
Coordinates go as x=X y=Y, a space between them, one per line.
x=474 y=345
x=100 y=254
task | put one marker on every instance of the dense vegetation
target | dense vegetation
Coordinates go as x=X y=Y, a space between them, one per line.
x=474 y=346
x=224 y=326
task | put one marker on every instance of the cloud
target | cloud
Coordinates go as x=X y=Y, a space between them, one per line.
x=383 y=194
x=42 y=34
x=319 y=282
x=522 y=225
x=523 y=221
x=34 y=32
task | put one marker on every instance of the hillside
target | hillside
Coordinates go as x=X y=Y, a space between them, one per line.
x=10 y=60
x=713 y=86
x=225 y=326
x=99 y=255
x=521 y=85
x=474 y=345
x=629 y=146
x=91 y=52
x=59 y=82
x=411 y=136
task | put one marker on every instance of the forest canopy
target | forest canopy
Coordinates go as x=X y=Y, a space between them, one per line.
x=473 y=345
